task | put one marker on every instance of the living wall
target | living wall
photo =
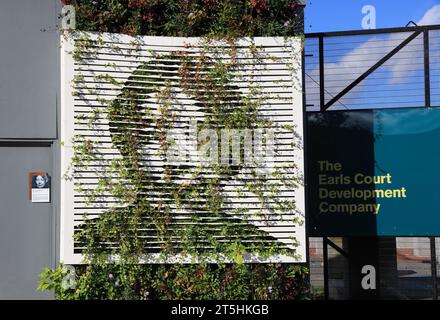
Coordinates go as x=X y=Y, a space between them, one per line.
x=192 y=18
x=130 y=227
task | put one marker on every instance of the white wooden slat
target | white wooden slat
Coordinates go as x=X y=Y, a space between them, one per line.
x=123 y=72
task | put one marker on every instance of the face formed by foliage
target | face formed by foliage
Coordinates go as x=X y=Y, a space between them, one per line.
x=142 y=115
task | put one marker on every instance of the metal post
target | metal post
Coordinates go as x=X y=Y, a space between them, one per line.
x=321 y=73
x=434 y=268
x=325 y=260
x=427 y=73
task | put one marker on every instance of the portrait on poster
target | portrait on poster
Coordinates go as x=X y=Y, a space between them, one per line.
x=39 y=183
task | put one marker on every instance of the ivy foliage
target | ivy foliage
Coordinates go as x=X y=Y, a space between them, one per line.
x=192 y=18
x=180 y=282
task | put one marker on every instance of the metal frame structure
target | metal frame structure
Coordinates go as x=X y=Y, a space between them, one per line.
x=324 y=106
x=326 y=242
x=416 y=31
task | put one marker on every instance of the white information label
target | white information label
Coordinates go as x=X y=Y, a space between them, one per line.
x=41 y=195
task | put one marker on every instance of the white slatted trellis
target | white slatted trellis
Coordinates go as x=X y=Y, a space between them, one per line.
x=96 y=84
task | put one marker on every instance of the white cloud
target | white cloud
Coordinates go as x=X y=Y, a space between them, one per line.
x=432 y=16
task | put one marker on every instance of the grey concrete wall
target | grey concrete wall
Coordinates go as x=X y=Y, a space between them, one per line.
x=29 y=64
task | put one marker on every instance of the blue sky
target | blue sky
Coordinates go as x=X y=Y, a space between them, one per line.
x=336 y=15
x=401 y=79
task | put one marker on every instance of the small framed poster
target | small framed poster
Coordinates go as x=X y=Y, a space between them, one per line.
x=39 y=187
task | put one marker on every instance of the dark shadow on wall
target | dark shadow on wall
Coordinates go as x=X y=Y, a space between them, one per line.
x=340 y=154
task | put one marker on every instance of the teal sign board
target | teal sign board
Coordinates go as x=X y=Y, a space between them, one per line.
x=374 y=173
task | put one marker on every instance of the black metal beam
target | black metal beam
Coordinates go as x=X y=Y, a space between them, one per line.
x=370 y=31
x=325 y=266
x=321 y=74
x=371 y=70
x=427 y=73
x=338 y=249
x=434 y=268
x=368 y=109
